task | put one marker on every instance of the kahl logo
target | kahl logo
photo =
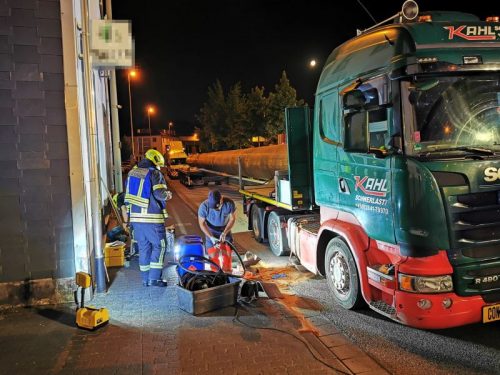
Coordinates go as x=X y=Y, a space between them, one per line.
x=472 y=32
x=372 y=186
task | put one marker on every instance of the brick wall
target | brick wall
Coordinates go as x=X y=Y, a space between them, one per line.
x=36 y=233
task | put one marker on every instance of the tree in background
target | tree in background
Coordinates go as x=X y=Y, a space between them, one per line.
x=257 y=112
x=234 y=118
x=283 y=96
x=211 y=118
x=230 y=121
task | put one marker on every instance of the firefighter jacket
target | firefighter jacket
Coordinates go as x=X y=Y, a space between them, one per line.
x=146 y=194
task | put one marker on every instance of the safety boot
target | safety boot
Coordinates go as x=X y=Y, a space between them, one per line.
x=160 y=283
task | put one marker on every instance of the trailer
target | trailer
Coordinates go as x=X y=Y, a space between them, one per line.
x=192 y=176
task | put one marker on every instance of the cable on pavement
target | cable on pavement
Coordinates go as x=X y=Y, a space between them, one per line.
x=236 y=318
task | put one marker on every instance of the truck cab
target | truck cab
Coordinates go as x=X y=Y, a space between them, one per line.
x=406 y=171
x=175 y=158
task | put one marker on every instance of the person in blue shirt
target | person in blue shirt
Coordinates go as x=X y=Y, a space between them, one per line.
x=216 y=217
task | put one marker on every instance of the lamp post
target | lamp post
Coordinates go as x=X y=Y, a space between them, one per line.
x=151 y=111
x=170 y=125
x=131 y=74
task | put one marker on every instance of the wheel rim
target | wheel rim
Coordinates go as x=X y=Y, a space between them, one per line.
x=274 y=239
x=339 y=274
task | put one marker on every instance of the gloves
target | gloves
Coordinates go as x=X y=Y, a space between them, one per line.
x=214 y=240
x=169 y=195
x=222 y=237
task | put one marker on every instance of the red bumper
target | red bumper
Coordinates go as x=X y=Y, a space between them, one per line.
x=464 y=310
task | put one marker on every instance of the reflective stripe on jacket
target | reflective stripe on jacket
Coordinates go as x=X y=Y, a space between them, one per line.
x=146 y=195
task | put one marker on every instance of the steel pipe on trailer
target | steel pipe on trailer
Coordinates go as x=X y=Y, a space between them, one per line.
x=255 y=162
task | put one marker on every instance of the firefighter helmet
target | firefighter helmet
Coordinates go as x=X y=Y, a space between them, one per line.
x=156 y=157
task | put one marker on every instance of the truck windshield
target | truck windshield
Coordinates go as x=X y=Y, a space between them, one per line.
x=452 y=113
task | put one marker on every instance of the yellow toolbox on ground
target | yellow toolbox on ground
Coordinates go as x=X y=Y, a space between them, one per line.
x=114 y=254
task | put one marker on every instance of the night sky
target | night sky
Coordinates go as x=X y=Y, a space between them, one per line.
x=182 y=47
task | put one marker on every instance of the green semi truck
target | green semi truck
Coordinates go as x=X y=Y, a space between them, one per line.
x=393 y=185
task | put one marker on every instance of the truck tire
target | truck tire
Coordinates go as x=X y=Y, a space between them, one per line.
x=342 y=275
x=277 y=239
x=256 y=217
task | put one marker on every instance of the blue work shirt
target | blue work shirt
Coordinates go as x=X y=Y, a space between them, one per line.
x=217 y=218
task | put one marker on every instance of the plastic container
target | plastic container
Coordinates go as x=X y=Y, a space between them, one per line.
x=202 y=301
x=114 y=256
x=189 y=246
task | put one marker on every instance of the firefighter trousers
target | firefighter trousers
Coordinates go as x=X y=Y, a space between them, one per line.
x=152 y=246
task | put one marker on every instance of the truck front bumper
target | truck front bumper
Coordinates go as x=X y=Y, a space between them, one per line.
x=463 y=310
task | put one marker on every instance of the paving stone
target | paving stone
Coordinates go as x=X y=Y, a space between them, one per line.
x=336 y=339
x=326 y=329
x=347 y=351
x=362 y=365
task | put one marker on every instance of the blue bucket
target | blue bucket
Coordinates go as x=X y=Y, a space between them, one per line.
x=189 y=246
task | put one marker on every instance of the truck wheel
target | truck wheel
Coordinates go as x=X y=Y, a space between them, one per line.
x=256 y=223
x=342 y=275
x=277 y=241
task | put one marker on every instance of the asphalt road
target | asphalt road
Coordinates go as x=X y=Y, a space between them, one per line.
x=473 y=349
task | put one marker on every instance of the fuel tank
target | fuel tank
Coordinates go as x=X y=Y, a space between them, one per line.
x=256 y=162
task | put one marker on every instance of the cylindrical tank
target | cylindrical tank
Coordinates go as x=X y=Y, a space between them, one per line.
x=256 y=162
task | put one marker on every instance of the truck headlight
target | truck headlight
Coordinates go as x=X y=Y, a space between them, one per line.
x=425 y=284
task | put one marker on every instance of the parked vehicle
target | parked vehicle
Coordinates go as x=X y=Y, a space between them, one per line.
x=393 y=189
x=175 y=158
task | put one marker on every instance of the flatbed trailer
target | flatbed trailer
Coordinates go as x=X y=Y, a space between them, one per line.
x=191 y=177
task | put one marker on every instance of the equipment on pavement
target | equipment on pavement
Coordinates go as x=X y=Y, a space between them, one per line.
x=203 y=285
x=88 y=317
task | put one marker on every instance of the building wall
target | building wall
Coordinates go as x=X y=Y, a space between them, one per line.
x=36 y=232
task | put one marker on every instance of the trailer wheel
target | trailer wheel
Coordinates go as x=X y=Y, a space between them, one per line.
x=275 y=235
x=256 y=223
x=342 y=275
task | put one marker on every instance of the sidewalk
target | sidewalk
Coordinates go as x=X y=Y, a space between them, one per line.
x=149 y=334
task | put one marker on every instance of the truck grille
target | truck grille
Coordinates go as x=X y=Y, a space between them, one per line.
x=475 y=221
x=475 y=233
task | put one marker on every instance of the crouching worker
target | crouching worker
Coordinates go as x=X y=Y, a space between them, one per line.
x=146 y=196
x=216 y=217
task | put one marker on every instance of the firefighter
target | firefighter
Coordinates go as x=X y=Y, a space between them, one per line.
x=216 y=217
x=145 y=196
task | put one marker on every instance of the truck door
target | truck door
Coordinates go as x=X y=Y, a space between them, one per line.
x=365 y=189
x=326 y=142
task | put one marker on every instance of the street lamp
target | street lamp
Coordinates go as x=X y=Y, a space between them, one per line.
x=131 y=74
x=151 y=111
x=312 y=63
x=170 y=125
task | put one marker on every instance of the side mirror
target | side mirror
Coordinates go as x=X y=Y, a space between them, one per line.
x=356 y=136
x=354 y=99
